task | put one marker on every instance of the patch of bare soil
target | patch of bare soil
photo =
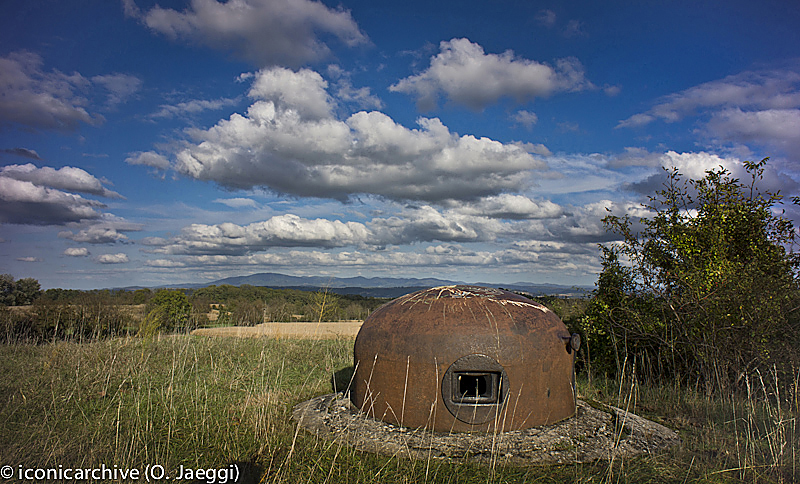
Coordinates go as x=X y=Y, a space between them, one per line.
x=303 y=330
x=607 y=433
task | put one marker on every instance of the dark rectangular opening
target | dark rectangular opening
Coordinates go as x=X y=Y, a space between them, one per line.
x=476 y=387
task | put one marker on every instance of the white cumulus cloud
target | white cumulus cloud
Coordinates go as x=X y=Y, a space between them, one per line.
x=425 y=224
x=96 y=234
x=65 y=178
x=76 y=252
x=304 y=91
x=290 y=141
x=747 y=90
x=768 y=128
x=30 y=204
x=41 y=196
x=264 y=32
x=119 y=258
x=510 y=206
x=695 y=165
x=465 y=74
x=280 y=231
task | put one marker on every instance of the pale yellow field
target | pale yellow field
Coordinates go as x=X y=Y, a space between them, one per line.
x=304 y=330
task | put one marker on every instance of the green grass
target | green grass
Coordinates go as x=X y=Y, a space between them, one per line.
x=207 y=402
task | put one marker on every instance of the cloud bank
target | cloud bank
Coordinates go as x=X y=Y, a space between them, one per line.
x=290 y=141
x=33 y=98
x=41 y=196
x=750 y=108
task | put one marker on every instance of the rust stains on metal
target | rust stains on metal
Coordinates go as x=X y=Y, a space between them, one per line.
x=464 y=358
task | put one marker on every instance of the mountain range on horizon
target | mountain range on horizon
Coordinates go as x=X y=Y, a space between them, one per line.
x=276 y=279
x=374 y=286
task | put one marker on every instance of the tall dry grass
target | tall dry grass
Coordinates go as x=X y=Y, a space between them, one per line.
x=208 y=402
x=736 y=437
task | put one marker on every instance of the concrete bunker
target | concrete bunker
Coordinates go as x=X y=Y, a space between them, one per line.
x=464 y=359
x=460 y=372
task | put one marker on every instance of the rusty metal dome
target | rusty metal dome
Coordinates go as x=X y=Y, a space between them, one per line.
x=464 y=358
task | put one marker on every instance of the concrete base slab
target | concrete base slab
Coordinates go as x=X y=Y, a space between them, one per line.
x=596 y=432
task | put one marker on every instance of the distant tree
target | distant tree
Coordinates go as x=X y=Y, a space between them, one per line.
x=7 y=296
x=62 y=295
x=324 y=305
x=707 y=286
x=18 y=293
x=141 y=296
x=26 y=291
x=244 y=312
x=168 y=310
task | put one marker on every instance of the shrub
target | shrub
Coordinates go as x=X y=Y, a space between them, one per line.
x=167 y=310
x=707 y=287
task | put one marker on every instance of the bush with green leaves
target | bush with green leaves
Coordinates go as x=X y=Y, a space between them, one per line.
x=706 y=288
x=167 y=310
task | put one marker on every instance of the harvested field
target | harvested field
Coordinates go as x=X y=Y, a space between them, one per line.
x=303 y=330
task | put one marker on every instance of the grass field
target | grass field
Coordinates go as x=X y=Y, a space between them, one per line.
x=299 y=330
x=206 y=403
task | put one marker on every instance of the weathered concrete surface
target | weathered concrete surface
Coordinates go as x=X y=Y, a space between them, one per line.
x=593 y=434
x=305 y=330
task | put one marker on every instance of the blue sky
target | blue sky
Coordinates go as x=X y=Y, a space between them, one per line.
x=147 y=143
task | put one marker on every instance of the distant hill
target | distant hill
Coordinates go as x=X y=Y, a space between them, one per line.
x=384 y=292
x=385 y=286
x=545 y=289
x=376 y=286
x=271 y=279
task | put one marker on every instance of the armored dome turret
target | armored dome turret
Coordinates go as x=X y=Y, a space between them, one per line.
x=465 y=358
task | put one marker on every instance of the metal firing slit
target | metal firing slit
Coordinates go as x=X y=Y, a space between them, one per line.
x=474 y=387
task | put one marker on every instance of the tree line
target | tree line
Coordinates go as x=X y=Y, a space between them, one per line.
x=77 y=314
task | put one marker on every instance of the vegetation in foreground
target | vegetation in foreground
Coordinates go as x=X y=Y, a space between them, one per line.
x=209 y=402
